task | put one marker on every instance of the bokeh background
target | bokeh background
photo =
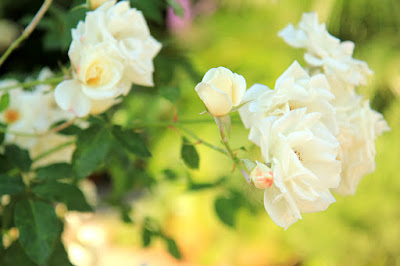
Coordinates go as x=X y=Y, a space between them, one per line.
x=363 y=229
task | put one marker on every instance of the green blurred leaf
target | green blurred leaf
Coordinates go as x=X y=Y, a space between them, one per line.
x=226 y=209
x=38 y=228
x=10 y=185
x=54 y=172
x=5 y=165
x=146 y=237
x=178 y=9
x=152 y=9
x=200 y=186
x=59 y=257
x=170 y=93
x=131 y=141
x=169 y=174
x=93 y=145
x=173 y=248
x=15 y=255
x=18 y=158
x=189 y=154
x=69 y=194
x=4 y=101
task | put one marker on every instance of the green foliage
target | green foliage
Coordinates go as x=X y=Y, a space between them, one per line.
x=146 y=237
x=18 y=157
x=153 y=10
x=226 y=209
x=189 y=154
x=10 y=185
x=173 y=248
x=55 y=171
x=63 y=192
x=15 y=255
x=170 y=93
x=38 y=228
x=4 y=101
x=93 y=145
x=131 y=141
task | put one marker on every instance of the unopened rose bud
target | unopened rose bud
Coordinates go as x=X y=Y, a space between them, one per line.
x=262 y=176
x=220 y=90
x=93 y=4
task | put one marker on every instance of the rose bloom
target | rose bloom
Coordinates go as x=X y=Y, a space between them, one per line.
x=293 y=89
x=33 y=112
x=302 y=153
x=359 y=127
x=99 y=80
x=326 y=51
x=127 y=30
x=221 y=90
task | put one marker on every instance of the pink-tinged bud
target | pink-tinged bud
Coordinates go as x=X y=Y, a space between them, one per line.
x=262 y=176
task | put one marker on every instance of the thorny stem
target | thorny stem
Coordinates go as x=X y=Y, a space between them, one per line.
x=54 y=80
x=28 y=30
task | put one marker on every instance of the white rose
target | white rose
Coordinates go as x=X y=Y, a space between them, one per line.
x=359 y=126
x=302 y=153
x=125 y=28
x=293 y=89
x=32 y=112
x=326 y=51
x=220 y=90
x=99 y=80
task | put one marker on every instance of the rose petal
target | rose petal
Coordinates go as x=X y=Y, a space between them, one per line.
x=69 y=96
x=217 y=102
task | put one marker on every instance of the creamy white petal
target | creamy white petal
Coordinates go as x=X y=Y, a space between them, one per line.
x=217 y=102
x=69 y=96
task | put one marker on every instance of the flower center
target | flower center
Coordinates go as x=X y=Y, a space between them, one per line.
x=298 y=155
x=94 y=76
x=11 y=116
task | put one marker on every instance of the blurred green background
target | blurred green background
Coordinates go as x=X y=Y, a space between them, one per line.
x=363 y=229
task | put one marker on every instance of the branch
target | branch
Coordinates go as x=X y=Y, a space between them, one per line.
x=28 y=30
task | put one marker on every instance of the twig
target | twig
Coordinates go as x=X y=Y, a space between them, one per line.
x=28 y=84
x=28 y=30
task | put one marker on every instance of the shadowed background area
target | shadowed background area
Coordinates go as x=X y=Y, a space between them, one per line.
x=241 y=35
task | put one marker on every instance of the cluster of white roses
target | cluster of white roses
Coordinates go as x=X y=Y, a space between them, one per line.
x=315 y=133
x=110 y=50
x=34 y=112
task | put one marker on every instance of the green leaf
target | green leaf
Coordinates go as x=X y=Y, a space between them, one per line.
x=10 y=185
x=146 y=237
x=189 y=154
x=131 y=141
x=152 y=9
x=54 y=172
x=5 y=165
x=170 y=93
x=226 y=209
x=69 y=194
x=59 y=257
x=93 y=145
x=178 y=9
x=18 y=158
x=15 y=255
x=38 y=228
x=4 y=101
x=169 y=174
x=173 y=248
